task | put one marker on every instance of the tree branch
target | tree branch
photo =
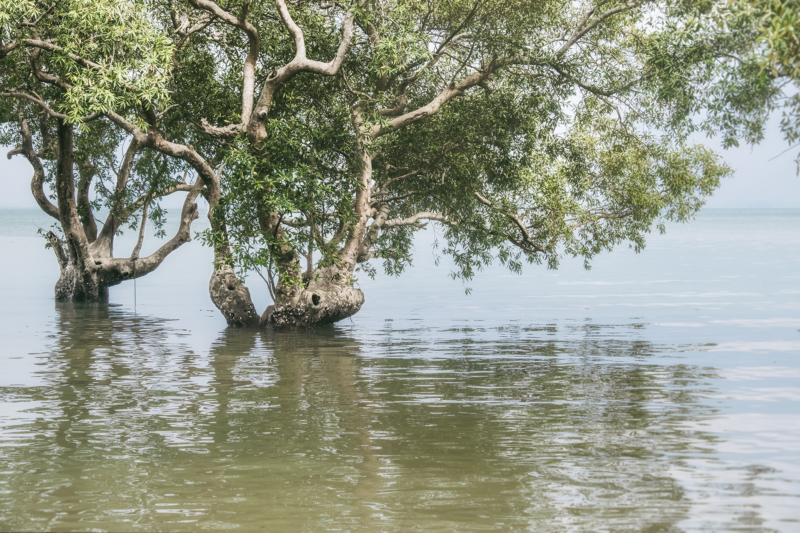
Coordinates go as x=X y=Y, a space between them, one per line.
x=383 y=188
x=44 y=45
x=583 y=30
x=301 y=61
x=526 y=237
x=413 y=220
x=86 y=173
x=183 y=187
x=6 y=49
x=58 y=248
x=450 y=92
x=44 y=77
x=37 y=182
x=116 y=216
x=254 y=42
x=142 y=226
x=145 y=265
x=43 y=105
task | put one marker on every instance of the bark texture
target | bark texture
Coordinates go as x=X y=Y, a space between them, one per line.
x=328 y=298
x=232 y=298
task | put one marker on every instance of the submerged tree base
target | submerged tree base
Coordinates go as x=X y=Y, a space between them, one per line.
x=232 y=298
x=73 y=286
x=329 y=297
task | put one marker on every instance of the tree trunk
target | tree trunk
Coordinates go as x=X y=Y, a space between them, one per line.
x=78 y=283
x=89 y=269
x=75 y=285
x=328 y=297
x=79 y=279
x=88 y=281
x=232 y=298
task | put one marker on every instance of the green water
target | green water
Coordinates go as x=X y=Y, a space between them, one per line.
x=297 y=432
x=655 y=393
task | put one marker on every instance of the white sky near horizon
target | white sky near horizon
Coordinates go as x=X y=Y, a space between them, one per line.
x=765 y=177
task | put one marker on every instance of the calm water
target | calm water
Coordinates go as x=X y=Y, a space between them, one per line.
x=656 y=392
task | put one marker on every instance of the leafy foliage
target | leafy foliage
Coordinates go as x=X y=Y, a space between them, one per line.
x=529 y=130
x=109 y=53
x=562 y=141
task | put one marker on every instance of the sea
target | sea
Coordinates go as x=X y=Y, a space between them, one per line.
x=654 y=392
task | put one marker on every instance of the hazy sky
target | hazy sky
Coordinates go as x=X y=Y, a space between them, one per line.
x=758 y=182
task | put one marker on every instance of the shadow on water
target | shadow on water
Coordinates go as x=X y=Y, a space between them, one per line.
x=138 y=427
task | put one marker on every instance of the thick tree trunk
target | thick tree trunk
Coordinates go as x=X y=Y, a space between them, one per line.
x=75 y=285
x=325 y=295
x=88 y=269
x=79 y=280
x=88 y=281
x=328 y=297
x=232 y=298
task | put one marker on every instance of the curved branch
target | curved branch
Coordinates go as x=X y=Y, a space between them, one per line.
x=116 y=216
x=249 y=69
x=526 y=237
x=484 y=75
x=39 y=45
x=226 y=132
x=383 y=189
x=38 y=101
x=397 y=110
x=450 y=92
x=8 y=48
x=188 y=215
x=183 y=187
x=58 y=248
x=414 y=220
x=432 y=62
x=152 y=139
x=37 y=182
x=44 y=45
x=292 y=27
x=135 y=267
x=300 y=61
x=184 y=32
x=142 y=226
x=44 y=77
x=583 y=30
x=256 y=129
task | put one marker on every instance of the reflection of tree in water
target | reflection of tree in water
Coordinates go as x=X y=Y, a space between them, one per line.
x=138 y=428
x=557 y=432
x=302 y=411
x=78 y=450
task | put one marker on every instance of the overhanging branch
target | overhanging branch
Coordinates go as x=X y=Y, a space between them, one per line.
x=414 y=220
x=526 y=240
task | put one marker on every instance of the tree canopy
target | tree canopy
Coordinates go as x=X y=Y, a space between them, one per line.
x=778 y=53
x=328 y=133
x=77 y=63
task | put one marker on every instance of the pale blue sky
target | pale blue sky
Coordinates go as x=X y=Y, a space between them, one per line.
x=765 y=177
x=762 y=180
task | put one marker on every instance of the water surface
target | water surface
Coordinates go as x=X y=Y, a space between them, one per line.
x=656 y=392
